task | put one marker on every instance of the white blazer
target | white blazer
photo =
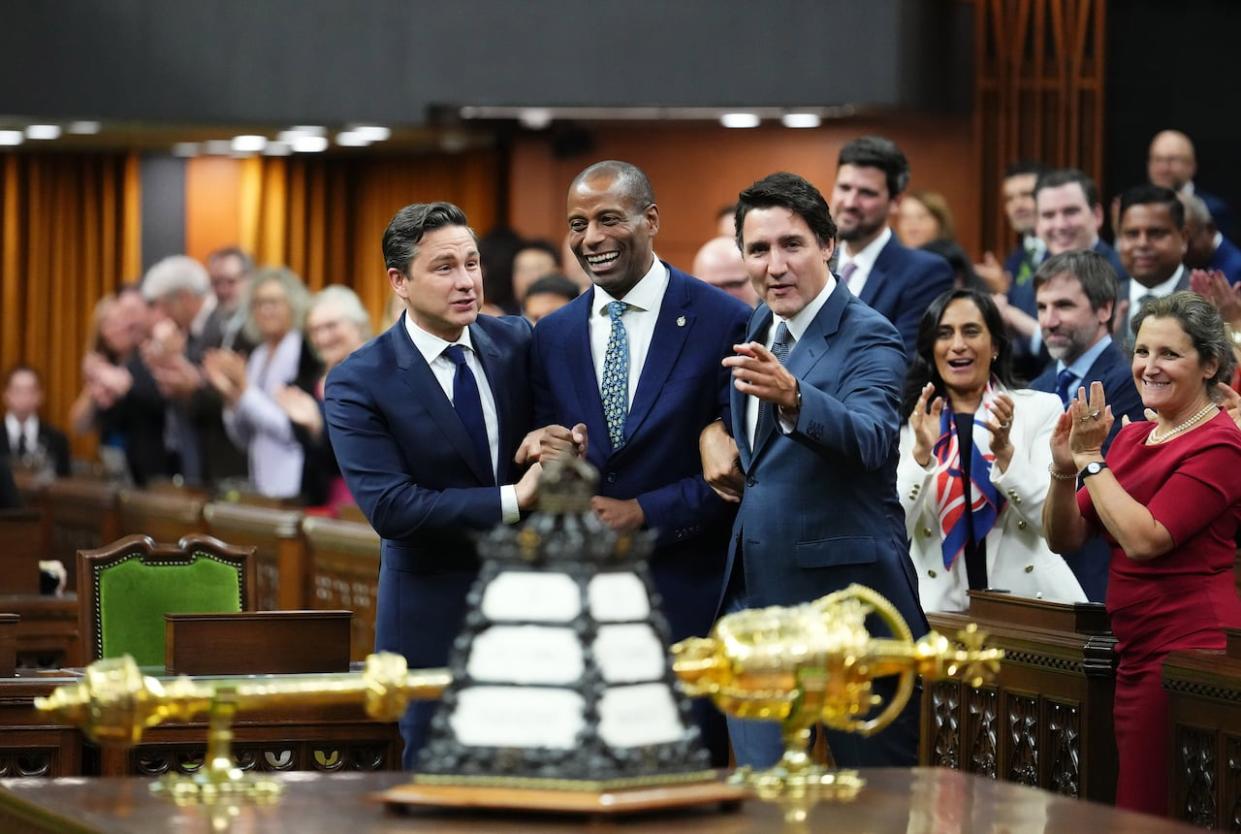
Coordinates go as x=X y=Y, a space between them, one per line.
x=1018 y=559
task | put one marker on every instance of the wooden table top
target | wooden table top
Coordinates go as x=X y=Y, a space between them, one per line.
x=917 y=801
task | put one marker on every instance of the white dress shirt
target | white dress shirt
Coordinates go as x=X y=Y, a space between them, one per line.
x=797 y=327
x=864 y=260
x=432 y=348
x=16 y=428
x=1137 y=291
x=644 y=301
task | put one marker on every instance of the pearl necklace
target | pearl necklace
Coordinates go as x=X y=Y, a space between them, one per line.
x=1154 y=436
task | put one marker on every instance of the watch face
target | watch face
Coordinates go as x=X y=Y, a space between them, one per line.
x=1094 y=468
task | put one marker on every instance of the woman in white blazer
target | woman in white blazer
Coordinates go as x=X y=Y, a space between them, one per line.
x=974 y=457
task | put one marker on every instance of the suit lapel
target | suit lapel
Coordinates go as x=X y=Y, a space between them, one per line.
x=576 y=347
x=489 y=358
x=760 y=323
x=417 y=374
x=874 y=281
x=672 y=328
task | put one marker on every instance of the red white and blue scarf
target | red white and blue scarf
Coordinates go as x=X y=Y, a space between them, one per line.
x=986 y=501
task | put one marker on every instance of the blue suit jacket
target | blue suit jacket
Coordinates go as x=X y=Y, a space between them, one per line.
x=902 y=284
x=819 y=509
x=413 y=471
x=1112 y=368
x=1227 y=259
x=683 y=388
x=1220 y=212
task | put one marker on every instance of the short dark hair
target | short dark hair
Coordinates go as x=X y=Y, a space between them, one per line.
x=1153 y=195
x=633 y=182
x=1203 y=324
x=554 y=284
x=409 y=225
x=922 y=369
x=22 y=368
x=1092 y=270
x=1064 y=176
x=794 y=193
x=247 y=262
x=541 y=245
x=1023 y=167
x=881 y=153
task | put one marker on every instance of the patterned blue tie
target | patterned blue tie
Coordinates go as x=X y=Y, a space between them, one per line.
x=1064 y=381
x=616 y=376
x=767 y=411
x=469 y=407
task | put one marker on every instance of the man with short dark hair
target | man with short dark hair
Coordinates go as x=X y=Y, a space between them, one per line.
x=1076 y=296
x=425 y=421
x=534 y=260
x=547 y=295
x=900 y=283
x=26 y=437
x=1152 y=245
x=1206 y=246
x=811 y=449
x=633 y=367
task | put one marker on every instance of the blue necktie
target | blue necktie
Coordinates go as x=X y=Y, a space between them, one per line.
x=767 y=411
x=615 y=388
x=1064 y=380
x=469 y=406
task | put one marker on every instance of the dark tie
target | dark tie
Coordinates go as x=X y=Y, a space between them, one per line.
x=615 y=388
x=21 y=443
x=1064 y=380
x=469 y=406
x=767 y=411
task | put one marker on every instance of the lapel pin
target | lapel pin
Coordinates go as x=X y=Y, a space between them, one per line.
x=680 y=321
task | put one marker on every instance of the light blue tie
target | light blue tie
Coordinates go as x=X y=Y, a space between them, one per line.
x=616 y=376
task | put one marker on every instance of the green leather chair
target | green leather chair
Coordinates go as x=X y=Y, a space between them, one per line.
x=126 y=588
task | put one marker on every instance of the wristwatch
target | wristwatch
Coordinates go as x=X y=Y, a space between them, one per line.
x=1093 y=468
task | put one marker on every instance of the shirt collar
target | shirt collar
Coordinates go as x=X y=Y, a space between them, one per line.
x=865 y=259
x=1137 y=291
x=1081 y=365
x=798 y=323
x=430 y=345
x=27 y=427
x=645 y=295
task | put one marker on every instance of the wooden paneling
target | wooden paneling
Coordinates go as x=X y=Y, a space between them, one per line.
x=82 y=515
x=281 y=559
x=1038 y=94
x=164 y=515
x=344 y=559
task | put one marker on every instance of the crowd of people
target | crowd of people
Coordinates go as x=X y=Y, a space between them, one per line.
x=836 y=394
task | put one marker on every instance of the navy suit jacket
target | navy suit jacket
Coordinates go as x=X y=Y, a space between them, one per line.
x=902 y=284
x=1220 y=211
x=413 y=471
x=1227 y=259
x=1112 y=368
x=682 y=389
x=820 y=509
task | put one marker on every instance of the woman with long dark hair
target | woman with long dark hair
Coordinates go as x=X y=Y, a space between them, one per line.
x=973 y=473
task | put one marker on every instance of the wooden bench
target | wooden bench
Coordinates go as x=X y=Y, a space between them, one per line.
x=344 y=558
x=281 y=558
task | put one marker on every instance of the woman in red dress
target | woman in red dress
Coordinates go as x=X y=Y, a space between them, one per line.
x=1168 y=500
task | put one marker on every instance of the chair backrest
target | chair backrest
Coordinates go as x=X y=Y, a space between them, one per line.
x=126 y=588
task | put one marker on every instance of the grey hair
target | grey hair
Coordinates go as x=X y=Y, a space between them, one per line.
x=1202 y=323
x=347 y=302
x=174 y=274
x=294 y=290
x=1196 y=210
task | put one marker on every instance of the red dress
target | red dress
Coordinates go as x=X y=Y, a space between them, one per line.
x=1180 y=600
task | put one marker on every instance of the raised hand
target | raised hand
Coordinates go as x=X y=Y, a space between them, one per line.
x=302 y=408
x=757 y=371
x=1230 y=401
x=1000 y=424
x=924 y=422
x=992 y=273
x=1092 y=420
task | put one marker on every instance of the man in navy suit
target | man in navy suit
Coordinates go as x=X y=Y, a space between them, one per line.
x=425 y=420
x=815 y=417
x=1076 y=296
x=1208 y=248
x=633 y=366
x=900 y=283
x=1172 y=163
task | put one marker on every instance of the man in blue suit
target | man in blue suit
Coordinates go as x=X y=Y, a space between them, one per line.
x=1076 y=297
x=425 y=420
x=815 y=417
x=633 y=365
x=1152 y=244
x=1208 y=247
x=900 y=283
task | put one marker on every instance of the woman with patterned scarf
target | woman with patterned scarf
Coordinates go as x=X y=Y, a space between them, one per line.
x=973 y=474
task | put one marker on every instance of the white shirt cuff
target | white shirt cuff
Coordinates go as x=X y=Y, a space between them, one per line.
x=509 y=512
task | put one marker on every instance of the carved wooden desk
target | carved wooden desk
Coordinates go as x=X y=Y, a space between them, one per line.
x=919 y=801
x=1047 y=720
x=1204 y=712
x=326 y=739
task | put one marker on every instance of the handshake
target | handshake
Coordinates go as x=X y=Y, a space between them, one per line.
x=551 y=442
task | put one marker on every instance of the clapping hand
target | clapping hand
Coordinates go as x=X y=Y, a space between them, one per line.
x=1000 y=424
x=301 y=408
x=226 y=371
x=924 y=422
x=1230 y=402
x=1212 y=285
x=1091 y=422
